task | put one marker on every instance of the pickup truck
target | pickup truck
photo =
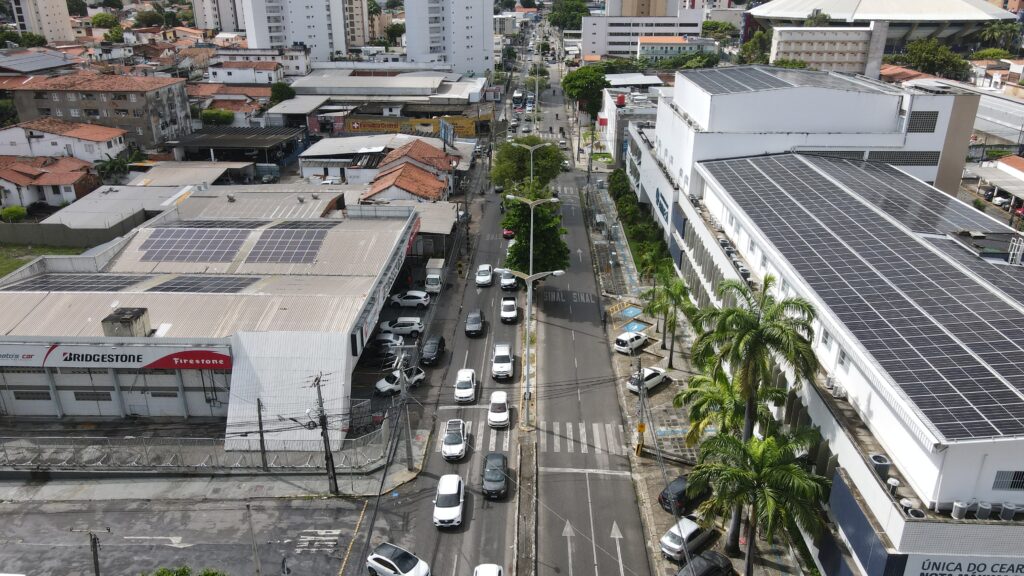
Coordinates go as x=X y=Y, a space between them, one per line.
x=509 y=310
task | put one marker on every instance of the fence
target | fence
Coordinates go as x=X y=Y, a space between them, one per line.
x=182 y=455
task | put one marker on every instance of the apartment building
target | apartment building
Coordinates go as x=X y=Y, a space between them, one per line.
x=48 y=18
x=294 y=59
x=357 y=22
x=246 y=72
x=151 y=110
x=657 y=48
x=459 y=33
x=220 y=15
x=833 y=49
x=618 y=36
x=317 y=24
x=620 y=106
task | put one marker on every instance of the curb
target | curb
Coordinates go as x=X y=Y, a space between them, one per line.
x=519 y=513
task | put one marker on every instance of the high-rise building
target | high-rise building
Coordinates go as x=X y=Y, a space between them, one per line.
x=319 y=25
x=357 y=22
x=49 y=18
x=220 y=15
x=459 y=33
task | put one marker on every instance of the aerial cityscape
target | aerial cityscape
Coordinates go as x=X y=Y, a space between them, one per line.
x=512 y=288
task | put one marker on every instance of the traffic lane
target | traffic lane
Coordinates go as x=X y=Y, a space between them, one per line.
x=306 y=537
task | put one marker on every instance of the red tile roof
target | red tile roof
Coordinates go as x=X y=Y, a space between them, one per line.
x=1013 y=162
x=235 y=105
x=411 y=179
x=893 y=73
x=82 y=131
x=42 y=170
x=8 y=82
x=92 y=82
x=207 y=89
x=249 y=65
x=422 y=152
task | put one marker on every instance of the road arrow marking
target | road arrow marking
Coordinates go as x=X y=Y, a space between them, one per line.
x=174 y=541
x=616 y=535
x=568 y=533
x=579 y=254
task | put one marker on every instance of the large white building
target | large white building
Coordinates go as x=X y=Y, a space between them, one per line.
x=223 y=15
x=618 y=36
x=294 y=59
x=720 y=113
x=458 y=33
x=832 y=49
x=48 y=18
x=320 y=25
x=920 y=403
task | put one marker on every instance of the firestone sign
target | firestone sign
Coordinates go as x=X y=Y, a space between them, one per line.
x=920 y=565
x=92 y=356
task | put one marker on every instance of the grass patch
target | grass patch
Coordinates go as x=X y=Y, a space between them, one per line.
x=14 y=256
x=603 y=157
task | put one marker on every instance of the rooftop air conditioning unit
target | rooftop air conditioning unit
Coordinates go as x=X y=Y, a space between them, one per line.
x=231 y=197
x=830 y=382
x=959 y=510
x=838 y=392
x=1008 y=511
x=881 y=464
x=916 y=514
x=984 y=511
x=893 y=485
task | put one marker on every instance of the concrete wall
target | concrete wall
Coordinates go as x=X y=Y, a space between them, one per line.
x=61 y=235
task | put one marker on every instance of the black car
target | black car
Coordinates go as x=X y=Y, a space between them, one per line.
x=475 y=323
x=495 y=476
x=707 y=563
x=673 y=498
x=432 y=351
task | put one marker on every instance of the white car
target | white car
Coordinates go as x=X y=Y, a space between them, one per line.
x=509 y=310
x=453 y=444
x=488 y=570
x=405 y=325
x=484 y=275
x=411 y=299
x=497 y=412
x=448 y=501
x=650 y=378
x=686 y=533
x=392 y=383
x=388 y=340
x=630 y=342
x=501 y=362
x=465 y=385
x=390 y=560
x=508 y=280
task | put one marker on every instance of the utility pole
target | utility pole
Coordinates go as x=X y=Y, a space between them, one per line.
x=641 y=426
x=332 y=477
x=94 y=545
x=403 y=380
x=263 y=442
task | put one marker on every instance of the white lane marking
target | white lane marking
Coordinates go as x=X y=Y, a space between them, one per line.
x=440 y=439
x=455 y=565
x=584 y=448
x=549 y=470
x=493 y=442
x=555 y=437
x=573 y=332
x=568 y=437
x=543 y=437
x=575 y=363
x=458 y=407
x=613 y=445
x=505 y=439
x=593 y=535
x=465 y=361
x=624 y=443
x=597 y=438
x=480 y=433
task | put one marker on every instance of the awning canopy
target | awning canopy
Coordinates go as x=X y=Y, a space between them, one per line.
x=998 y=178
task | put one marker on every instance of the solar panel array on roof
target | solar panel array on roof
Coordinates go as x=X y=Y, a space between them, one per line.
x=237 y=224
x=733 y=80
x=306 y=225
x=949 y=344
x=287 y=246
x=208 y=284
x=192 y=245
x=75 y=283
x=1005 y=277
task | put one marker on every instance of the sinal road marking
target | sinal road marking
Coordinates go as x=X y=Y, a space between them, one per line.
x=172 y=541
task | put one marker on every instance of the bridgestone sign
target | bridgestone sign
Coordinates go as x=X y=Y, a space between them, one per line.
x=154 y=357
x=101 y=358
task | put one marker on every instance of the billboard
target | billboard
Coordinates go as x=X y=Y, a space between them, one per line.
x=113 y=356
x=942 y=565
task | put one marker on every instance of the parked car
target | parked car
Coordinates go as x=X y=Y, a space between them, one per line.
x=484 y=275
x=411 y=299
x=497 y=411
x=509 y=310
x=565 y=165
x=684 y=533
x=630 y=342
x=384 y=341
x=465 y=385
x=673 y=498
x=508 y=280
x=475 y=322
x=405 y=325
x=508 y=234
x=448 y=501
x=453 y=446
x=648 y=378
x=488 y=570
x=432 y=351
x=707 y=563
x=501 y=362
x=390 y=560
x=494 y=478
x=392 y=383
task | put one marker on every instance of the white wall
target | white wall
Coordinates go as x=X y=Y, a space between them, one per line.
x=804 y=110
x=301 y=22
x=14 y=141
x=617 y=36
x=245 y=75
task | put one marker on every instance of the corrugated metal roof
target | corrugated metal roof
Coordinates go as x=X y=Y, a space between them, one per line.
x=902 y=11
x=262 y=202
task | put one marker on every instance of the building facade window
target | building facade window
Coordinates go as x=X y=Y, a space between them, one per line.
x=1009 y=480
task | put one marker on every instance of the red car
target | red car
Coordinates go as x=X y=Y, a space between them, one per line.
x=508 y=234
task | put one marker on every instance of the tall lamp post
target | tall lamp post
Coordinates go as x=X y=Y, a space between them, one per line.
x=531 y=149
x=530 y=278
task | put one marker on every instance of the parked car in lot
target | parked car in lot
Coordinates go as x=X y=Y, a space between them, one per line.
x=648 y=378
x=390 y=560
x=465 y=385
x=453 y=447
x=484 y=275
x=432 y=351
x=707 y=563
x=392 y=383
x=509 y=310
x=494 y=478
x=501 y=362
x=448 y=501
x=685 y=533
x=497 y=411
x=405 y=325
x=475 y=322
x=411 y=299
x=384 y=341
x=630 y=342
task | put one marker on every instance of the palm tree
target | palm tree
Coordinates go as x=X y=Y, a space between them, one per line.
x=651 y=265
x=1001 y=33
x=716 y=400
x=751 y=334
x=676 y=297
x=766 y=476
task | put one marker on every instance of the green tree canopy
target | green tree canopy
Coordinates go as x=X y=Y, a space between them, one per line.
x=757 y=49
x=789 y=63
x=148 y=18
x=990 y=54
x=8 y=112
x=507 y=5
x=584 y=85
x=13 y=214
x=537 y=82
x=115 y=4
x=539 y=70
x=115 y=34
x=31 y=39
x=393 y=4
x=930 y=56
x=688 y=61
x=715 y=401
x=619 y=65
x=817 y=19
x=279 y=92
x=1002 y=33
x=77 y=8
x=394 y=32
x=217 y=117
x=104 y=20
x=512 y=163
x=718 y=30
x=551 y=253
x=528 y=3
x=568 y=14
x=373 y=7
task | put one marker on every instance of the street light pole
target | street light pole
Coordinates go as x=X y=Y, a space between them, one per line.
x=531 y=149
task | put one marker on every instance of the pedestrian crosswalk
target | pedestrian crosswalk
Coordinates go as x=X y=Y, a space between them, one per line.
x=564 y=191
x=552 y=437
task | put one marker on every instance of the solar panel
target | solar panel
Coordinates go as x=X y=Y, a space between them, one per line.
x=948 y=343
x=1006 y=277
x=287 y=246
x=306 y=225
x=75 y=283
x=210 y=284
x=238 y=224
x=193 y=245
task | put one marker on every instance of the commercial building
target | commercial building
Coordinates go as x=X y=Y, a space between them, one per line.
x=657 y=48
x=246 y=72
x=35 y=61
x=833 y=49
x=619 y=107
x=48 y=18
x=947 y=20
x=720 y=113
x=360 y=159
x=618 y=36
x=50 y=136
x=275 y=145
x=294 y=59
x=320 y=25
x=507 y=23
x=919 y=403
x=151 y=110
x=220 y=15
x=459 y=33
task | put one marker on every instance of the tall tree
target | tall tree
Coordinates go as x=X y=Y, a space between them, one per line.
x=718 y=30
x=31 y=40
x=279 y=92
x=750 y=335
x=394 y=32
x=104 y=20
x=512 y=163
x=148 y=18
x=757 y=49
x=568 y=14
x=1002 y=33
x=115 y=34
x=551 y=253
x=715 y=400
x=77 y=8
x=817 y=18
x=373 y=8
x=677 y=300
x=765 y=476
x=930 y=56
x=584 y=85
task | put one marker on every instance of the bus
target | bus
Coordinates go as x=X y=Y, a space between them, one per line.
x=517 y=99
